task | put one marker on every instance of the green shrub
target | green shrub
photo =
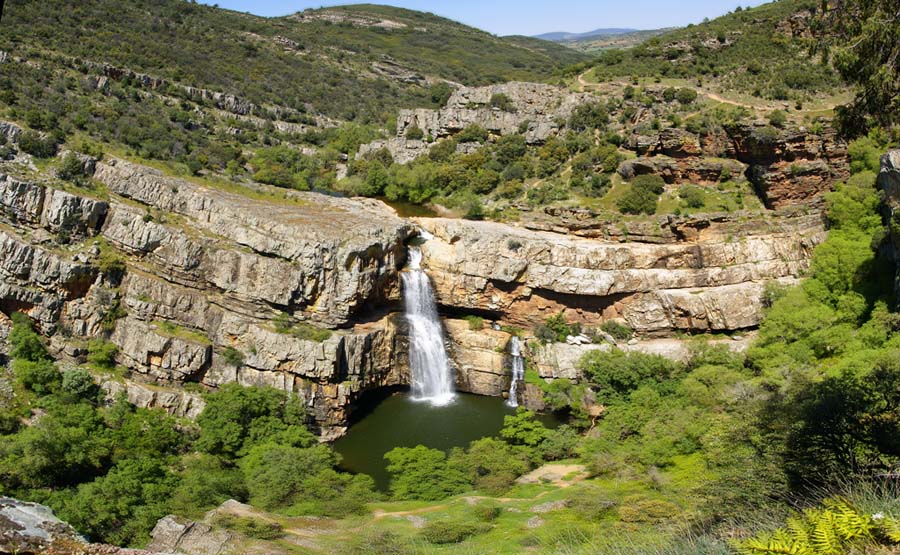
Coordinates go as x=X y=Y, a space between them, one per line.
x=414 y=133
x=592 y=115
x=442 y=532
x=70 y=168
x=79 y=383
x=555 y=328
x=475 y=322
x=36 y=145
x=24 y=342
x=686 y=96
x=502 y=102
x=40 y=376
x=255 y=528
x=637 y=201
x=487 y=512
x=472 y=134
x=102 y=354
x=692 y=197
x=778 y=118
x=618 y=330
x=233 y=357
x=423 y=473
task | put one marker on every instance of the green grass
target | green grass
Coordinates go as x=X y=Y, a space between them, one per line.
x=169 y=329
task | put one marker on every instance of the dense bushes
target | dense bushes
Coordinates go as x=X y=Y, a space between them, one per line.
x=642 y=196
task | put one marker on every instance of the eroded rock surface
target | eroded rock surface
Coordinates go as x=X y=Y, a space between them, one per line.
x=535 y=111
x=523 y=276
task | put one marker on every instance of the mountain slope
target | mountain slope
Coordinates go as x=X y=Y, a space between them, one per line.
x=354 y=62
x=762 y=50
x=560 y=36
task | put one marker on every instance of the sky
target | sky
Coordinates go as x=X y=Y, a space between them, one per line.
x=530 y=17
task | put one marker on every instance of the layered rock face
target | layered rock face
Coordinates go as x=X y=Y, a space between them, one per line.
x=206 y=270
x=787 y=166
x=534 y=110
x=524 y=276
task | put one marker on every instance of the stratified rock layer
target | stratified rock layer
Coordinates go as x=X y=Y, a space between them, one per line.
x=524 y=276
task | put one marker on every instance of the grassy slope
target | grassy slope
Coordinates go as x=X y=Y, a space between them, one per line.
x=236 y=53
x=744 y=51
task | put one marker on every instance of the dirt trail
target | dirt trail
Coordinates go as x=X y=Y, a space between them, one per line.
x=378 y=514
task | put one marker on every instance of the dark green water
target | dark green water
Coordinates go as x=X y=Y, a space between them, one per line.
x=408 y=209
x=399 y=421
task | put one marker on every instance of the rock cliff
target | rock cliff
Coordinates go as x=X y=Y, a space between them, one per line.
x=537 y=111
x=525 y=276
x=207 y=283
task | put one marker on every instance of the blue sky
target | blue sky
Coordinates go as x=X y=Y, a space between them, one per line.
x=530 y=17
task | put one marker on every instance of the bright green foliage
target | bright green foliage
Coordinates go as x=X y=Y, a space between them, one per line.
x=834 y=529
x=79 y=383
x=274 y=482
x=447 y=532
x=233 y=357
x=556 y=328
x=686 y=96
x=414 y=133
x=102 y=354
x=24 y=343
x=41 y=376
x=475 y=322
x=236 y=418
x=285 y=167
x=423 y=473
x=642 y=196
x=616 y=373
x=617 y=330
x=472 y=134
x=523 y=429
x=206 y=481
x=491 y=465
x=124 y=505
x=589 y=116
x=68 y=444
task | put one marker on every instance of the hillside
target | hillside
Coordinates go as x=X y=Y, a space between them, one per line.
x=760 y=51
x=600 y=43
x=354 y=62
x=562 y=36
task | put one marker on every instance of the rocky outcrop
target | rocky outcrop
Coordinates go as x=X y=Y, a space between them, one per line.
x=534 y=110
x=523 y=277
x=344 y=253
x=33 y=529
x=52 y=209
x=29 y=528
x=787 y=166
x=177 y=535
x=697 y=171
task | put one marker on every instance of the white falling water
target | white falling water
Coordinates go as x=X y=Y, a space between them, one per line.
x=431 y=377
x=518 y=371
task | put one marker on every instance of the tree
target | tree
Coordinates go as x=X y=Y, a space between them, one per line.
x=237 y=417
x=862 y=37
x=24 y=343
x=592 y=115
x=686 y=96
x=422 y=473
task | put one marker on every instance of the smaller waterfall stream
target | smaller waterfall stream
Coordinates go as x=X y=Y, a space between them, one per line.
x=518 y=371
x=431 y=375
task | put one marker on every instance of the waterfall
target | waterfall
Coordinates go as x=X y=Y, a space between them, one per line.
x=518 y=371
x=431 y=377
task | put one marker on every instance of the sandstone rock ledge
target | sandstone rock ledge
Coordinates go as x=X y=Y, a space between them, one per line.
x=522 y=276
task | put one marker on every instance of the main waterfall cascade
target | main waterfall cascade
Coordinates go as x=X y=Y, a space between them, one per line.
x=518 y=371
x=431 y=375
